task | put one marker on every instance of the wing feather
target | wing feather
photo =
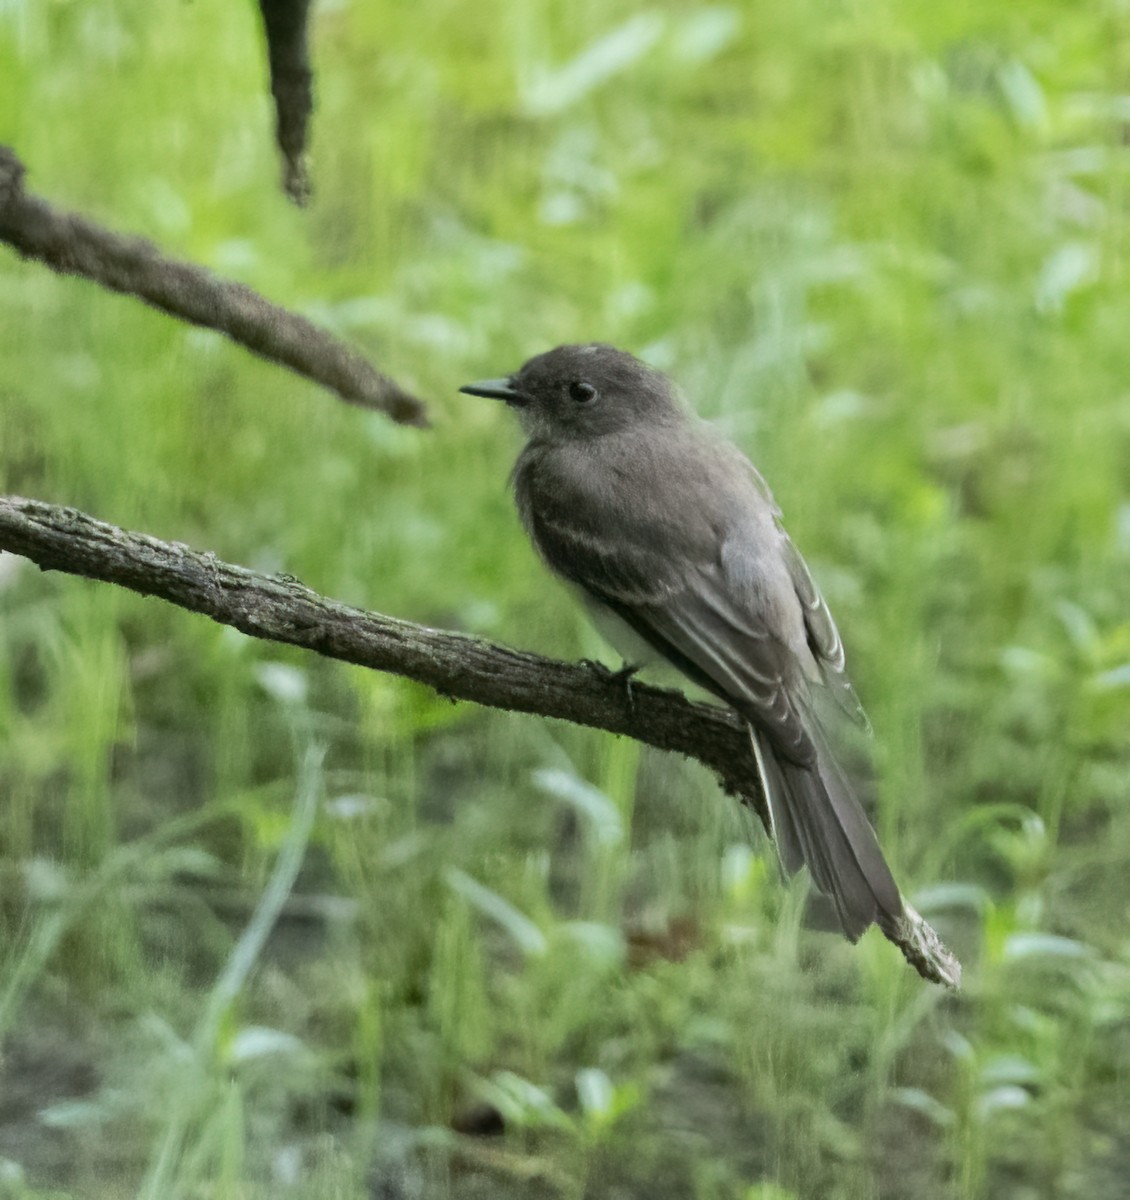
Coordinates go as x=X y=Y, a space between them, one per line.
x=690 y=618
x=823 y=636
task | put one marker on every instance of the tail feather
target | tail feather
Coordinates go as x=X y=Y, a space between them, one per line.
x=816 y=821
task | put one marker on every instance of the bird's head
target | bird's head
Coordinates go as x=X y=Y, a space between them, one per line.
x=577 y=392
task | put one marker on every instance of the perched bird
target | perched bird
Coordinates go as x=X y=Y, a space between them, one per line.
x=676 y=545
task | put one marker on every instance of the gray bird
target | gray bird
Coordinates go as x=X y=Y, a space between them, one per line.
x=673 y=538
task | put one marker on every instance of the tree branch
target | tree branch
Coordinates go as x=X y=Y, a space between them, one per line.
x=292 y=86
x=280 y=609
x=73 y=245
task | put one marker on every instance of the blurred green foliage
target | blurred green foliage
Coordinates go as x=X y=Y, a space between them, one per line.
x=885 y=247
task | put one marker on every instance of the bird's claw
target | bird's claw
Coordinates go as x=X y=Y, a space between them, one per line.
x=624 y=675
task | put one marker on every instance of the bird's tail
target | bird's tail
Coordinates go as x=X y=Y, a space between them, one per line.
x=817 y=822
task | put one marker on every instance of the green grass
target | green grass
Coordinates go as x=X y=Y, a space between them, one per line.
x=273 y=925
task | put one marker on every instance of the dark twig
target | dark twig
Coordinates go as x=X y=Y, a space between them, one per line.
x=73 y=245
x=284 y=22
x=281 y=609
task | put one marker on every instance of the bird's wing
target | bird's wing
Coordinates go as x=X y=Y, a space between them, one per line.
x=823 y=636
x=690 y=611
x=741 y=658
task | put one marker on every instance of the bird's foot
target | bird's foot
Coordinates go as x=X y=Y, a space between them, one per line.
x=624 y=675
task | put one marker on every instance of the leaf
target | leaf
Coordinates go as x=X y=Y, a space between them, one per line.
x=553 y=91
x=258 y=1041
x=523 y=1103
x=282 y=682
x=1009 y=1068
x=602 y=815
x=1068 y=269
x=594 y=1091
x=922 y=1102
x=1003 y=1098
x=1023 y=946
x=527 y=936
x=704 y=33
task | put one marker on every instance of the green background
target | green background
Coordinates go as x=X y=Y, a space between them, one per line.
x=275 y=926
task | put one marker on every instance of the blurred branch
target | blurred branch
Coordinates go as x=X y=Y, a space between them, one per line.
x=284 y=24
x=73 y=245
x=278 y=608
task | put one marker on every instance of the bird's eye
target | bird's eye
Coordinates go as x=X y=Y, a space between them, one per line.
x=583 y=393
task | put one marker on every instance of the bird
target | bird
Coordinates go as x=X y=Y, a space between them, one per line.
x=678 y=550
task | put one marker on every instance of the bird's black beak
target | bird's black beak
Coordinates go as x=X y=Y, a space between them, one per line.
x=497 y=389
